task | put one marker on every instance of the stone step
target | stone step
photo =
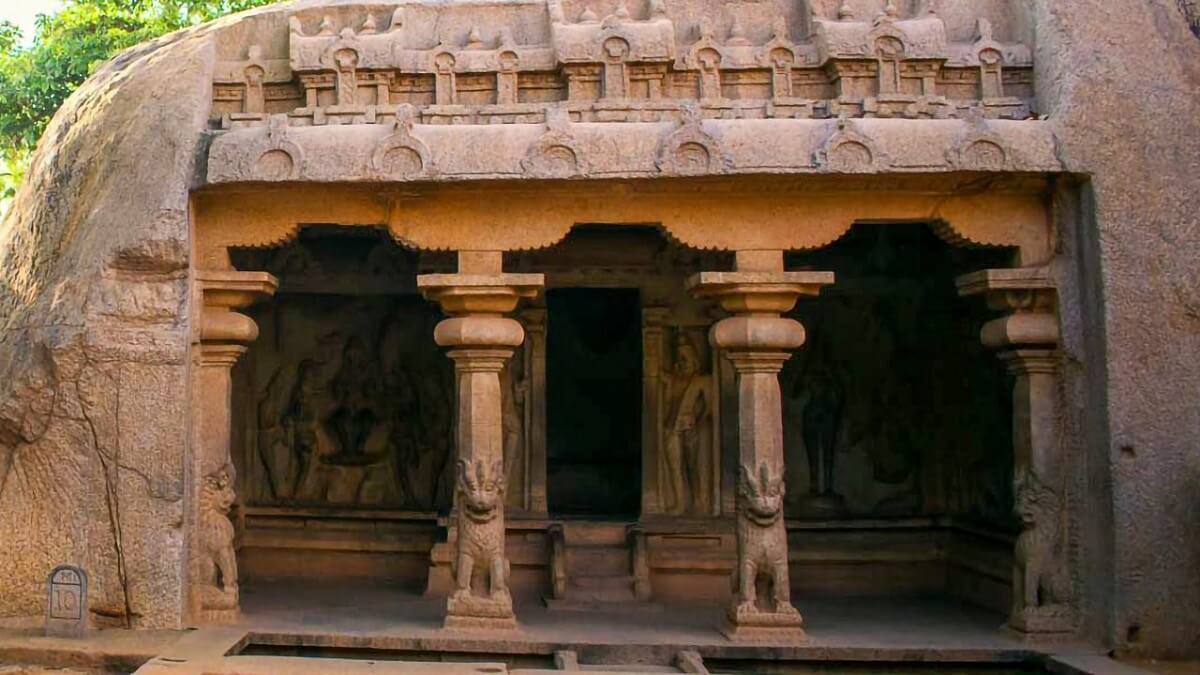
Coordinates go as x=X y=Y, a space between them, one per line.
x=597 y=561
x=606 y=589
x=595 y=534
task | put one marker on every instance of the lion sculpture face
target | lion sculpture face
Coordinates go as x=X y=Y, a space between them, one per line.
x=218 y=490
x=481 y=488
x=761 y=494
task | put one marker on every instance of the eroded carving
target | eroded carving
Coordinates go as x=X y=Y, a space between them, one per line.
x=216 y=581
x=402 y=155
x=1042 y=588
x=481 y=570
x=690 y=149
x=848 y=150
x=763 y=592
x=557 y=153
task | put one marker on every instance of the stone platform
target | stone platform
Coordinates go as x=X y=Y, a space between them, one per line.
x=352 y=628
x=307 y=627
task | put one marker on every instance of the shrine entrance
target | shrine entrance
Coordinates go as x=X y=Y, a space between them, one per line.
x=594 y=416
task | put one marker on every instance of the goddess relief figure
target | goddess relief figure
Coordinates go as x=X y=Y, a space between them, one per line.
x=687 y=477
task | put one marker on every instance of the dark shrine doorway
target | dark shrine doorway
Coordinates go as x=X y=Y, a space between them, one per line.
x=593 y=401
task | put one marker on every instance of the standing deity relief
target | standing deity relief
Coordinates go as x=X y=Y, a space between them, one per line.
x=689 y=448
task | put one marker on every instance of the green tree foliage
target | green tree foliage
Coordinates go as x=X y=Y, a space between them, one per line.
x=35 y=78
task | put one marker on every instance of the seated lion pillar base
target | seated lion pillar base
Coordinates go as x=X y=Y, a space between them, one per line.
x=757 y=339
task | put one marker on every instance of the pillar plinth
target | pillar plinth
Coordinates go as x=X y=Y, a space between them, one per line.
x=1026 y=340
x=224 y=334
x=480 y=340
x=758 y=341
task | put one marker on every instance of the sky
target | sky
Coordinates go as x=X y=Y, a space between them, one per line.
x=23 y=13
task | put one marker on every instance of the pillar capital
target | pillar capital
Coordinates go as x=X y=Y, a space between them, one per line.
x=758 y=292
x=222 y=293
x=1028 y=299
x=1011 y=290
x=495 y=294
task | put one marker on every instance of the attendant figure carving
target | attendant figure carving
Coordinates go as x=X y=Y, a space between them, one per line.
x=687 y=448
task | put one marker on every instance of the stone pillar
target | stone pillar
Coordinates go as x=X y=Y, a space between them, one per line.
x=1026 y=340
x=758 y=340
x=224 y=336
x=480 y=340
x=535 y=413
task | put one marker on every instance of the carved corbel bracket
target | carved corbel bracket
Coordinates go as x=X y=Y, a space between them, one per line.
x=487 y=294
x=690 y=149
x=1027 y=295
x=224 y=332
x=849 y=150
x=762 y=294
x=557 y=153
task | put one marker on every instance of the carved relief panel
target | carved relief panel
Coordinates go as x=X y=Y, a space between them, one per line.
x=345 y=399
x=891 y=409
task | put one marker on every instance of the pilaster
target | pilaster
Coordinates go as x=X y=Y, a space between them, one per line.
x=758 y=340
x=225 y=334
x=1026 y=340
x=480 y=339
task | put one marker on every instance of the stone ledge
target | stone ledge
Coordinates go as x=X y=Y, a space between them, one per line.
x=436 y=153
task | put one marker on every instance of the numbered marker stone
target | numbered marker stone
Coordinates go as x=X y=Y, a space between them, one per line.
x=66 y=602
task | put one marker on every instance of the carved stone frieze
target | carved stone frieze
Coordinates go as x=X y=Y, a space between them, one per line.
x=460 y=62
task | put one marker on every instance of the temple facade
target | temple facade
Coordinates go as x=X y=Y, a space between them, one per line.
x=615 y=306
